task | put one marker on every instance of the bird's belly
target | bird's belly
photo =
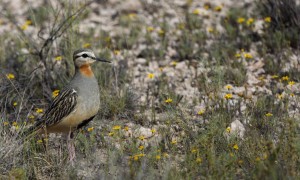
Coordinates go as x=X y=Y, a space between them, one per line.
x=70 y=122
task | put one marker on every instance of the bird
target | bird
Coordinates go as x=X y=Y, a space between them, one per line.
x=77 y=103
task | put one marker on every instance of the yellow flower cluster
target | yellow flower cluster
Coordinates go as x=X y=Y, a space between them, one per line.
x=39 y=110
x=55 y=93
x=117 y=127
x=169 y=100
x=267 y=19
x=196 y=12
x=90 y=129
x=150 y=75
x=10 y=76
x=269 y=114
x=58 y=58
x=228 y=96
x=201 y=112
x=25 y=25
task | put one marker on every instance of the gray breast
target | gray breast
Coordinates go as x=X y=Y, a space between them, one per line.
x=88 y=94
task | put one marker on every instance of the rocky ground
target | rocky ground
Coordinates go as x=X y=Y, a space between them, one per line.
x=189 y=74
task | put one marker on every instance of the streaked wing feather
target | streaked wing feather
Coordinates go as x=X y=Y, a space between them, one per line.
x=61 y=107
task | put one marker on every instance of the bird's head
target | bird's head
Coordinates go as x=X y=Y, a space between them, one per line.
x=83 y=57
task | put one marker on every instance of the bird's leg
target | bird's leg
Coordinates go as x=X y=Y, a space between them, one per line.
x=71 y=148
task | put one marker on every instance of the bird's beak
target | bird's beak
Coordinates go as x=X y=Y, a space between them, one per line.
x=103 y=60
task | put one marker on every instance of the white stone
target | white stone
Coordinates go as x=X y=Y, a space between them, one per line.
x=237 y=129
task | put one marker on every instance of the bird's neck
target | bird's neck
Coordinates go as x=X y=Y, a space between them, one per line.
x=86 y=70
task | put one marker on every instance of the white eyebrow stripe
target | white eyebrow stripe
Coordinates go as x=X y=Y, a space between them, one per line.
x=90 y=54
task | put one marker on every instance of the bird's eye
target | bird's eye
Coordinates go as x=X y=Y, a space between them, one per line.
x=85 y=56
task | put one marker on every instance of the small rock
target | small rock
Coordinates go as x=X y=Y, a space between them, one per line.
x=146 y=132
x=237 y=129
x=141 y=61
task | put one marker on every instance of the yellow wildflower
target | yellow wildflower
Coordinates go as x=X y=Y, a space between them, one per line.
x=142 y=138
x=267 y=19
x=141 y=148
x=240 y=161
x=228 y=87
x=55 y=93
x=265 y=156
x=250 y=21
x=90 y=129
x=173 y=142
x=157 y=157
x=117 y=127
x=31 y=116
x=228 y=96
x=161 y=32
x=15 y=104
x=39 y=110
x=132 y=15
x=248 y=56
x=269 y=114
x=169 y=100
x=292 y=94
x=58 y=58
x=196 y=12
x=274 y=76
x=291 y=83
x=201 y=112
x=117 y=52
x=153 y=131
x=173 y=63
x=150 y=75
x=194 y=150
x=218 y=8
x=165 y=155
x=257 y=159
x=15 y=123
x=198 y=160
x=135 y=158
x=86 y=45
x=150 y=29
x=237 y=55
x=39 y=141
x=10 y=76
x=126 y=128
x=240 y=20
x=228 y=129
x=5 y=123
x=210 y=29
x=111 y=133
x=279 y=96
x=285 y=78
x=26 y=24
x=236 y=147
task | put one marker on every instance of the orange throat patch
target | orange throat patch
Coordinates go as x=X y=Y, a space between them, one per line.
x=86 y=70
